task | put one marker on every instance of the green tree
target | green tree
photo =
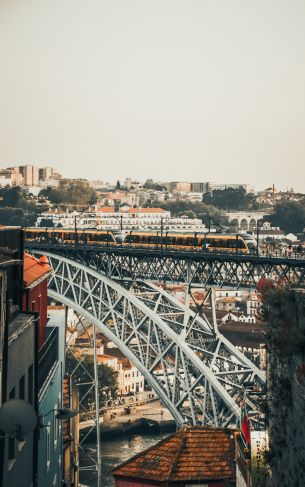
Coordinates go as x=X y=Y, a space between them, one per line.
x=150 y=184
x=206 y=213
x=46 y=222
x=69 y=191
x=16 y=209
x=289 y=215
x=18 y=217
x=188 y=213
x=118 y=185
x=107 y=377
x=230 y=199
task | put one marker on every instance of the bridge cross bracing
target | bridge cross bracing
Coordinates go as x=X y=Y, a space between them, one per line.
x=198 y=374
x=190 y=268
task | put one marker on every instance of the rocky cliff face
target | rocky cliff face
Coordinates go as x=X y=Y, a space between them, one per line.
x=285 y=319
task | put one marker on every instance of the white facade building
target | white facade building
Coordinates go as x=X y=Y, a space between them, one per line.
x=106 y=218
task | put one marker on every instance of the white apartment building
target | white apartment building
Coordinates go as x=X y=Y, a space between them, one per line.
x=213 y=186
x=62 y=219
x=253 y=304
x=11 y=177
x=111 y=198
x=127 y=218
x=146 y=195
x=130 y=379
x=131 y=184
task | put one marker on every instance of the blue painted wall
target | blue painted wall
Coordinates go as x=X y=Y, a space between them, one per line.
x=50 y=398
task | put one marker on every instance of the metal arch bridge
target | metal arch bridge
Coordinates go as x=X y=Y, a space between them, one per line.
x=201 y=269
x=197 y=373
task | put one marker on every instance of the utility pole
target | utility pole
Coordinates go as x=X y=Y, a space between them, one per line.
x=162 y=218
x=257 y=237
x=97 y=413
x=75 y=228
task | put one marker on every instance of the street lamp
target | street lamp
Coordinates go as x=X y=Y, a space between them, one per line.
x=76 y=220
x=259 y=225
x=163 y=218
x=60 y=414
x=120 y=218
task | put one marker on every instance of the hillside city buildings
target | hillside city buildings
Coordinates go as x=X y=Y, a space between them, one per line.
x=28 y=176
x=34 y=332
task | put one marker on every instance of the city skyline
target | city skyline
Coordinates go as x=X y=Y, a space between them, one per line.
x=112 y=181
x=197 y=91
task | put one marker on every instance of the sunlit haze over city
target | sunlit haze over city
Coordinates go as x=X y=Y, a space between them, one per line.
x=152 y=243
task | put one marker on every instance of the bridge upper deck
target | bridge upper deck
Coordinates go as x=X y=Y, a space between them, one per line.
x=189 y=267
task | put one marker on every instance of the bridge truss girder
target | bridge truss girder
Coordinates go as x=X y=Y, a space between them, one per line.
x=195 y=268
x=197 y=373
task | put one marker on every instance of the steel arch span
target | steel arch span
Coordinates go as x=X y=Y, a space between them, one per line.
x=197 y=373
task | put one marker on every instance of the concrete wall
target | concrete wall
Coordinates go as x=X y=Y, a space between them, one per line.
x=286 y=388
x=50 y=398
x=50 y=466
x=18 y=472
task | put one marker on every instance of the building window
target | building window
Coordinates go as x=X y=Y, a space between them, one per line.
x=22 y=387
x=12 y=393
x=11 y=452
x=11 y=441
x=48 y=449
x=30 y=384
x=56 y=431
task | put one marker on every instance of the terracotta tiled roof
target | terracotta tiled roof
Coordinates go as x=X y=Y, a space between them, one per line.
x=34 y=269
x=146 y=210
x=105 y=358
x=106 y=209
x=192 y=454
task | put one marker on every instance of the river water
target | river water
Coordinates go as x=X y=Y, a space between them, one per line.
x=114 y=452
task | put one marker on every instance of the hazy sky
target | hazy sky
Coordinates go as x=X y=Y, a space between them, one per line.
x=210 y=90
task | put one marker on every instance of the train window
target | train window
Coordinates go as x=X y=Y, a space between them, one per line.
x=240 y=244
x=190 y=241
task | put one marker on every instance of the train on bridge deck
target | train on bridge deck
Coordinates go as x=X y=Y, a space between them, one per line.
x=209 y=242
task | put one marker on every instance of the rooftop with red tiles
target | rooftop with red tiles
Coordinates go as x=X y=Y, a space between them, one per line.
x=34 y=269
x=192 y=454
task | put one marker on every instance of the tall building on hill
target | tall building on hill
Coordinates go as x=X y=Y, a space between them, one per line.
x=45 y=173
x=11 y=177
x=30 y=174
